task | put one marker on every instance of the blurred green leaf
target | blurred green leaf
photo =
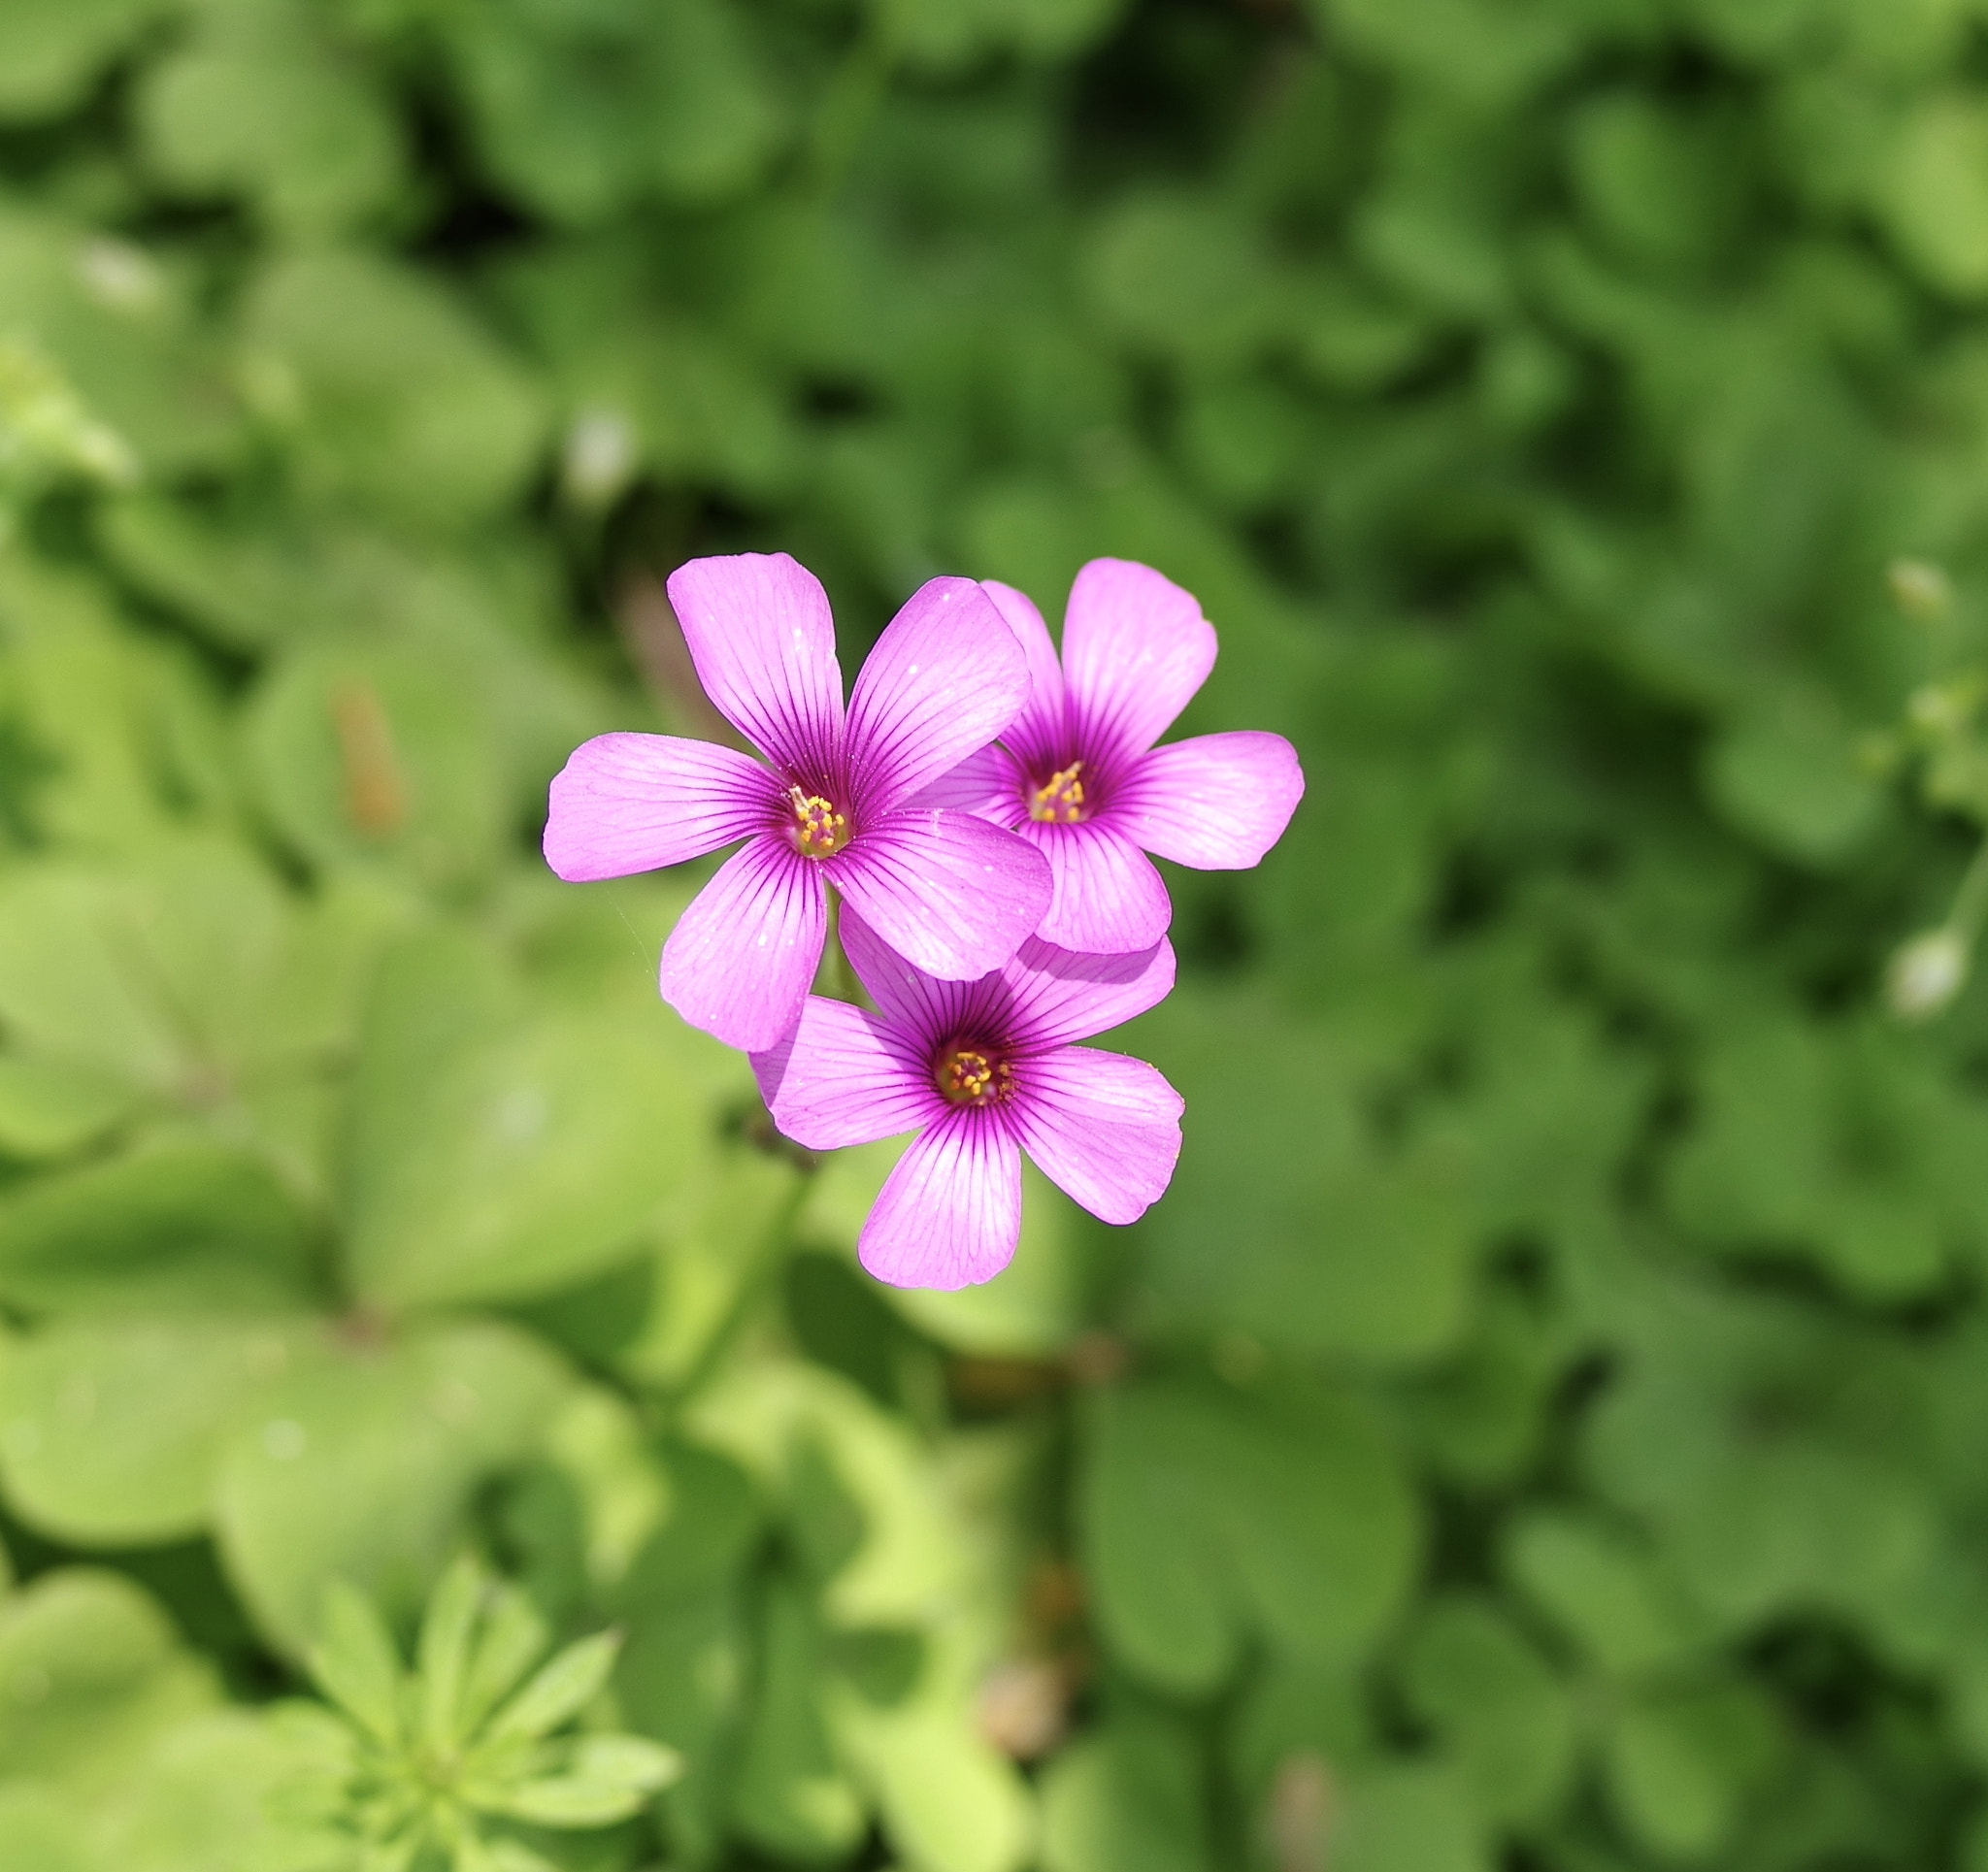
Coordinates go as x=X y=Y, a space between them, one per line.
x=1783 y=1465
x=1607 y=1593
x=945 y=1795
x=1403 y=1818
x=412 y=1769
x=89 y=700
x=49 y=1107
x=1833 y=1144
x=1122 y=1800
x=1208 y=1515
x=38 y=1832
x=405 y=404
x=111 y=1429
x=442 y=1656
x=562 y=1688
x=1473 y=51
x=180 y=1227
x=380 y=751
x=187 y=978
x=1476 y=1419
x=47 y=435
x=1331 y=1248
x=1933 y=198
x=1180 y=275
x=222 y=1790
x=1785 y=773
x=513 y=1638
x=355 y=1664
x=788 y=1793
x=493 y=1153
x=258 y=103
x=948 y=37
x=120 y=319
x=90 y=1670
x=50 y=52
x=361 y=1468
x=1679 y=1764
x=571 y=1801
x=682 y=1675
x=1663 y=188
x=240 y=585
x=1498 y=1706
x=582 y=109
x=867 y=1504
x=627 y=1762
x=715 y=1240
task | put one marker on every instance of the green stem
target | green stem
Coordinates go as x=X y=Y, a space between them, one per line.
x=1971 y=900
x=843 y=983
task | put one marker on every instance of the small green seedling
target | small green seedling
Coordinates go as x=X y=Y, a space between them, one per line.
x=450 y=1764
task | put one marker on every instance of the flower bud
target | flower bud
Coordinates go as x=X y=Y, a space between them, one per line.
x=599 y=459
x=1926 y=974
x=1920 y=589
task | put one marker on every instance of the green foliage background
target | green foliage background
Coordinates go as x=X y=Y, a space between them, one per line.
x=1543 y=1427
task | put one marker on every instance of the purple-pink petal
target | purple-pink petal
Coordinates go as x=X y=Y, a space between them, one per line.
x=1217 y=802
x=1056 y=996
x=990 y=784
x=1136 y=647
x=762 y=637
x=946 y=677
x=918 y=1004
x=950 y=1214
x=1104 y=1128
x=950 y=893
x=1108 y=898
x=740 y=958
x=634 y=803
x=1037 y=734
x=845 y=1077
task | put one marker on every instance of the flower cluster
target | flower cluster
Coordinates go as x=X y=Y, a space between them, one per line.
x=983 y=813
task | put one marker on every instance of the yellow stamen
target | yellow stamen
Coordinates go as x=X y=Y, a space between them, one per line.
x=1059 y=800
x=819 y=830
x=967 y=1076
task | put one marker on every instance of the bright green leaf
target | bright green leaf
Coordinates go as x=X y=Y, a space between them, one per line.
x=1124 y=1801
x=1206 y=1514
x=180 y=1227
x=1680 y=1764
x=362 y=1467
x=259 y=104
x=497 y=1154
x=1498 y=1706
x=355 y=1664
x=111 y=1429
x=562 y=1687
x=90 y=1670
x=39 y=1833
x=406 y=403
x=49 y=1107
x=1606 y=1591
x=50 y=51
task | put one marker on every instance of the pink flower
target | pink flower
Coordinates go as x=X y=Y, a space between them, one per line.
x=983 y=1071
x=1077 y=774
x=832 y=803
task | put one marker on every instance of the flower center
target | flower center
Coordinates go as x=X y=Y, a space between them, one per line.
x=1059 y=800
x=819 y=830
x=973 y=1073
